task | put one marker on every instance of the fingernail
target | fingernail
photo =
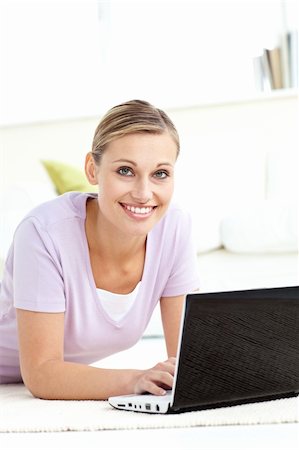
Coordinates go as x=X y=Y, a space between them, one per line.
x=162 y=392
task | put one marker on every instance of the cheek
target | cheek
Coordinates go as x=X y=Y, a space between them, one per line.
x=164 y=196
x=168 y=191
x=106 y=187
x=110 y=191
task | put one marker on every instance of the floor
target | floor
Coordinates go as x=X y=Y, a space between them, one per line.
x=257 y=437
x=145 y=354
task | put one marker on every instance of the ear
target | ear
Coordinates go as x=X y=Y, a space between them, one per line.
x=90 y=169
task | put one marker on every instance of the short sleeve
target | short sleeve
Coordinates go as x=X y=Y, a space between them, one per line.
x=37 y=278
x=184 y=272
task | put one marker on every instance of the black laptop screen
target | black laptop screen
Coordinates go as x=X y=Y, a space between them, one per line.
x=238 y=346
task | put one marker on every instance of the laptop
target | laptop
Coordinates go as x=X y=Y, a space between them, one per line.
x=234 y=348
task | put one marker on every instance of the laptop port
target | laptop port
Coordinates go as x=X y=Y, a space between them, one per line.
x=148 y=406
x=157 y=408
x=130 y=405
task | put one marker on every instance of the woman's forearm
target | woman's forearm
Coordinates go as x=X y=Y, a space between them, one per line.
x=59 y=380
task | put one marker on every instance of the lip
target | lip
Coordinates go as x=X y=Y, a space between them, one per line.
x=138 y=216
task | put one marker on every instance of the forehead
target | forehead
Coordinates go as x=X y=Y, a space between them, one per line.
x=139 y=145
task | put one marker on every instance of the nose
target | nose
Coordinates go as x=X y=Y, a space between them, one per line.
x=142 y=192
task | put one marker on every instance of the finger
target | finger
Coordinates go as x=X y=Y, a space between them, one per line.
x=165 y=367
x=161 y=378
x=152 y=388
x=171 y=362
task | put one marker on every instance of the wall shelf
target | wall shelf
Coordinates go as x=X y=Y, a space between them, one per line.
x=230 y=100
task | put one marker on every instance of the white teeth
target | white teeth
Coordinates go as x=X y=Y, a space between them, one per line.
x=136 y=210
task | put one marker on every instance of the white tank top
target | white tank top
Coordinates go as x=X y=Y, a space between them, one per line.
x=117 y=305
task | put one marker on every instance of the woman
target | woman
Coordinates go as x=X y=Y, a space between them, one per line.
x=86 y=271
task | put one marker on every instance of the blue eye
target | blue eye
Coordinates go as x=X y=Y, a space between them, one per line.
x=125 y=172
x=161 y=174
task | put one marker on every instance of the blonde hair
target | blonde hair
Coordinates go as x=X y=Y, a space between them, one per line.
x=135 y=116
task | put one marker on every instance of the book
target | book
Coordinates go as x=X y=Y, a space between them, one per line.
x=275 y=66
x=268 y=78
x=285 y=60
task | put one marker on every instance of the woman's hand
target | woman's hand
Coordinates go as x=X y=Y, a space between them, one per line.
x=156 y=379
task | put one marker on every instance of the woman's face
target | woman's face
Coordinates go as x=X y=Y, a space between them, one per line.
x=136 y=181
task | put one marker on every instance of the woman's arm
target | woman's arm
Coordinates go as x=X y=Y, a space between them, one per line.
x=48 y=376
x=171 y=311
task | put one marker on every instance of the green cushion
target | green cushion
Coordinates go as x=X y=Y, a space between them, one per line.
x=67 y=178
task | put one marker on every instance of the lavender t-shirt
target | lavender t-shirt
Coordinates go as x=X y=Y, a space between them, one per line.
x=48 y=270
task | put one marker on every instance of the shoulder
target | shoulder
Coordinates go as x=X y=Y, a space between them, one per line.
x=64 y=207
x=52 y=215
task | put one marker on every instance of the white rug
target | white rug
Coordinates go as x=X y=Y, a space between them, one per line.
x=21 y=412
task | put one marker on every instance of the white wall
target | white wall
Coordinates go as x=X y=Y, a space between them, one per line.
x=24 y=146
x=209 y=134
x=74 y=57
x=226 y=152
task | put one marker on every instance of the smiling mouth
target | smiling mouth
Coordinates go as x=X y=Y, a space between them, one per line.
x=142 y=211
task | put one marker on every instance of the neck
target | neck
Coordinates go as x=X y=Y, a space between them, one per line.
x=107 y=241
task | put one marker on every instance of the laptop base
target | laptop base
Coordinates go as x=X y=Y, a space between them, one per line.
x=178 y=410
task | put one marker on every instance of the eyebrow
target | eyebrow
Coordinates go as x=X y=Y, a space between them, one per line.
x=134 y=164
